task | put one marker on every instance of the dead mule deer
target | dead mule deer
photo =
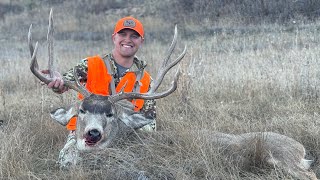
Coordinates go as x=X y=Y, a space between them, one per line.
x=102 y=120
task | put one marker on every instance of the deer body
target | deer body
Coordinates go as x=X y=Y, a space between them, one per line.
x=254 y=151
x=266 y=149
x=103 y=120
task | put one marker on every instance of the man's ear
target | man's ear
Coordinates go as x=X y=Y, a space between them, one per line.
x=63 y=116
x=112 y=37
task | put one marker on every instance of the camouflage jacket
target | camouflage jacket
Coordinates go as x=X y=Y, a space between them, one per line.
x=149 y=107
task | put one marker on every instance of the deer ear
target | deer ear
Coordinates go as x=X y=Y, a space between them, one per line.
x=135 y=121
x=129 y=117
x=63 y=116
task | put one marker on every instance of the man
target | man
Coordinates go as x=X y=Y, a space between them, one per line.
x=114 y=72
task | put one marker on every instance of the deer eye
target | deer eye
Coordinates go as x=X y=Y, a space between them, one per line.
x=109 y=115
x=81 y=111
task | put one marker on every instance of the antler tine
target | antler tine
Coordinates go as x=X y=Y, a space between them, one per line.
x=31 y=48
x=171 y=48
x=50 y=44
x=30 y=40
x=34 y=66
x=165 y=68
x=163 y=72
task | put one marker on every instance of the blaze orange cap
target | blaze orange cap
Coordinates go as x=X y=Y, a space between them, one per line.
x=130 y=23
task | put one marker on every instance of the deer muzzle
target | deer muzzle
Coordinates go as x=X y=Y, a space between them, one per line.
x=92 y=137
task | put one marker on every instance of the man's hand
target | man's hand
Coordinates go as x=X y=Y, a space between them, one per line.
x=57 y=84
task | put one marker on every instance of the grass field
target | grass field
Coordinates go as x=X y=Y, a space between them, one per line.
x=236 y=79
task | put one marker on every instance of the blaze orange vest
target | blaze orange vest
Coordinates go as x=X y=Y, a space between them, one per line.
x=98 y=81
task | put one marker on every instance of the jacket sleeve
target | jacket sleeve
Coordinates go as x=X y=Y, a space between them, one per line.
x=82 y=71
x=149 y=109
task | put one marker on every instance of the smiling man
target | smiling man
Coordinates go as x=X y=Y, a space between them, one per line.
x=119 y=70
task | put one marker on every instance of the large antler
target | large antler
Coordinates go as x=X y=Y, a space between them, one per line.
x=75 y=85
x=151 y=94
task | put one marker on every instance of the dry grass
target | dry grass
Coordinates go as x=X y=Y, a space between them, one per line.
x=235 y=80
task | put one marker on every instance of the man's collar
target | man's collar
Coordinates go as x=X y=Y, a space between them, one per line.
x=138 y=65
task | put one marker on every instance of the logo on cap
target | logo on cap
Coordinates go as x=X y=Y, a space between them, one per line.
x=129 y=23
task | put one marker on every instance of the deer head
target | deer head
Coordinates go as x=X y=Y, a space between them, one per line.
x=103 y=119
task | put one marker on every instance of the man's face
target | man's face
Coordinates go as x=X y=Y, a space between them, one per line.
x=127 y=42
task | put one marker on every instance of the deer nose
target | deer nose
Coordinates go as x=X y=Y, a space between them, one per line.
x=93 y=135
